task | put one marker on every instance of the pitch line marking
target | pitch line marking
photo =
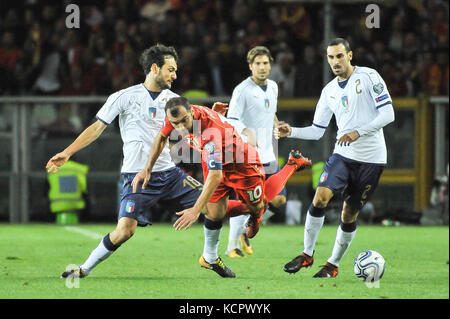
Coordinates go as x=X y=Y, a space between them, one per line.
x=84 y=232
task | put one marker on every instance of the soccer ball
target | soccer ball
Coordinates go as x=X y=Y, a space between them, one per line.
x=369 y=266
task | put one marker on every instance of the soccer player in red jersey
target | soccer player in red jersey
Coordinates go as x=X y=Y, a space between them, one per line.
x=228 y=164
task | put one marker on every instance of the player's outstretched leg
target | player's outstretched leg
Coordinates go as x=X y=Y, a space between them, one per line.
x=124 y=230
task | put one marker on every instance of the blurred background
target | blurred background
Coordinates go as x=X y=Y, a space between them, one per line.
x=54 y=79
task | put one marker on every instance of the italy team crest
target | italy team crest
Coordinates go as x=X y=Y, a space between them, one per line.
x=344 y=100
x=152 y=112
x=130 y=206
x=323 y=177
x=267 y=103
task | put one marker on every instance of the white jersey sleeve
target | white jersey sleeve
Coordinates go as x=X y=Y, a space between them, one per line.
x=111 y=109
x=236 y=105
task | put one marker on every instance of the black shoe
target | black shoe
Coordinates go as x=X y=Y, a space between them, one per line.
x=218 y=266
x=327 y=271
x=301 y=261
x=296 y=158
x=75 y=273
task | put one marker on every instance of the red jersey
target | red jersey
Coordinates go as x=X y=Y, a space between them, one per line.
x=217 y=141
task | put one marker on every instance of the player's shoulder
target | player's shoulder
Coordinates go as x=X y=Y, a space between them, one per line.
x=243 y=86
x=126 y=93
x=169 y=94
x=367 y=73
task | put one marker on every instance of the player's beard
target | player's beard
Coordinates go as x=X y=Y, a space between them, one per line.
x=161 y=83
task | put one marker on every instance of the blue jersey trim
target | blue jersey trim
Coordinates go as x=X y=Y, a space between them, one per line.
x=101 y=120
x=343 y=84
x=388 y=102
x=324 y=127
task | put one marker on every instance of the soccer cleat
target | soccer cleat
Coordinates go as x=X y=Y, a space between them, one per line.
x=253 y=223
x=245 y=244
x=301 y=261
x=75 y=273
x=235 y=253
x=218 y=266
x=296 y=158
x=327 y=271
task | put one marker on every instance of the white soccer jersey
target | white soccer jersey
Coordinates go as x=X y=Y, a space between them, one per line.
x=256 y=109
x=355 y=106
x=140 y=121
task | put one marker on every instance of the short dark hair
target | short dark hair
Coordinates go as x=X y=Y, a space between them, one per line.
x=156 y=54
x=258 y=50
x=173 y=103
x=338 y=41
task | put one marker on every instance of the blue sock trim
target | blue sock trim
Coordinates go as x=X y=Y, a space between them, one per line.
x=108 y=244
x=315 y=211
x=211 y=224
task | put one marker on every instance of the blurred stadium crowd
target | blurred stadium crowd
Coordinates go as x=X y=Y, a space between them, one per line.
x=39 y=55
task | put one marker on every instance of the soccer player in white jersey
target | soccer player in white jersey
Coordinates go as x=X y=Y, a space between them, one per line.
x=141 y=115
x=254 y=104
x=360 y=101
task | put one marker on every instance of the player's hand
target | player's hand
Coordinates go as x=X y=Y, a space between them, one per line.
x=220 y=108
x=187 y=218
x=348 y=138
x=56 y=162
x=283 y=129
x=143 y=176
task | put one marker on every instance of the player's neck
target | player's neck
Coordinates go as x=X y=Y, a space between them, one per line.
x=347 y=75
x=259 y=82
x=151 y=84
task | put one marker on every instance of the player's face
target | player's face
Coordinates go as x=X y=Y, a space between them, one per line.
x=167 y=74
x=260 y=69
x=184 y=120
x=339 y=60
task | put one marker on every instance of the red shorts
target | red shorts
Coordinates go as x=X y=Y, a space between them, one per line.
x=246 y=180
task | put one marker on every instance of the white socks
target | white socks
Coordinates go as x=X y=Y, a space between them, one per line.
x=343 y=241
x=211 y=244
x=312 y=227
x=97 y=255
x=237 y=228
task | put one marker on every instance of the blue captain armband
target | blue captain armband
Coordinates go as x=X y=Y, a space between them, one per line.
x=214 y=162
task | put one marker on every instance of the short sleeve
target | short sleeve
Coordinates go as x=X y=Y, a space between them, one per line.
x=112 y=107
x=323 y=113
x=237 y=105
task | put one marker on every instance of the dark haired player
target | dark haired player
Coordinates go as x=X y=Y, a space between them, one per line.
x=362 y=106
x=141 y=115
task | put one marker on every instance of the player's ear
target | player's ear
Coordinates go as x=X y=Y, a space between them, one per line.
x=350 y=55
x=154 y=68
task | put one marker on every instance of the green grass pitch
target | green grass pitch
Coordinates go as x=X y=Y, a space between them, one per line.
x=161 y=263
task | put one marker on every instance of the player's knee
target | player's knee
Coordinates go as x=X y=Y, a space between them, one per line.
x=124 y=233
x=321 y=198
x=278 y=201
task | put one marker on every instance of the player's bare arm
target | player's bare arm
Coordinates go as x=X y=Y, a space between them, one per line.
x=348 y=138
x=90 y=134
x=144 y=175
x=251 y=137
x=190 y=215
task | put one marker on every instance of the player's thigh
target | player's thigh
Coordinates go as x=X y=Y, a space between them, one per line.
x=362 y=184
x=251 y=192
x=181 y=190
x=335 y=176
